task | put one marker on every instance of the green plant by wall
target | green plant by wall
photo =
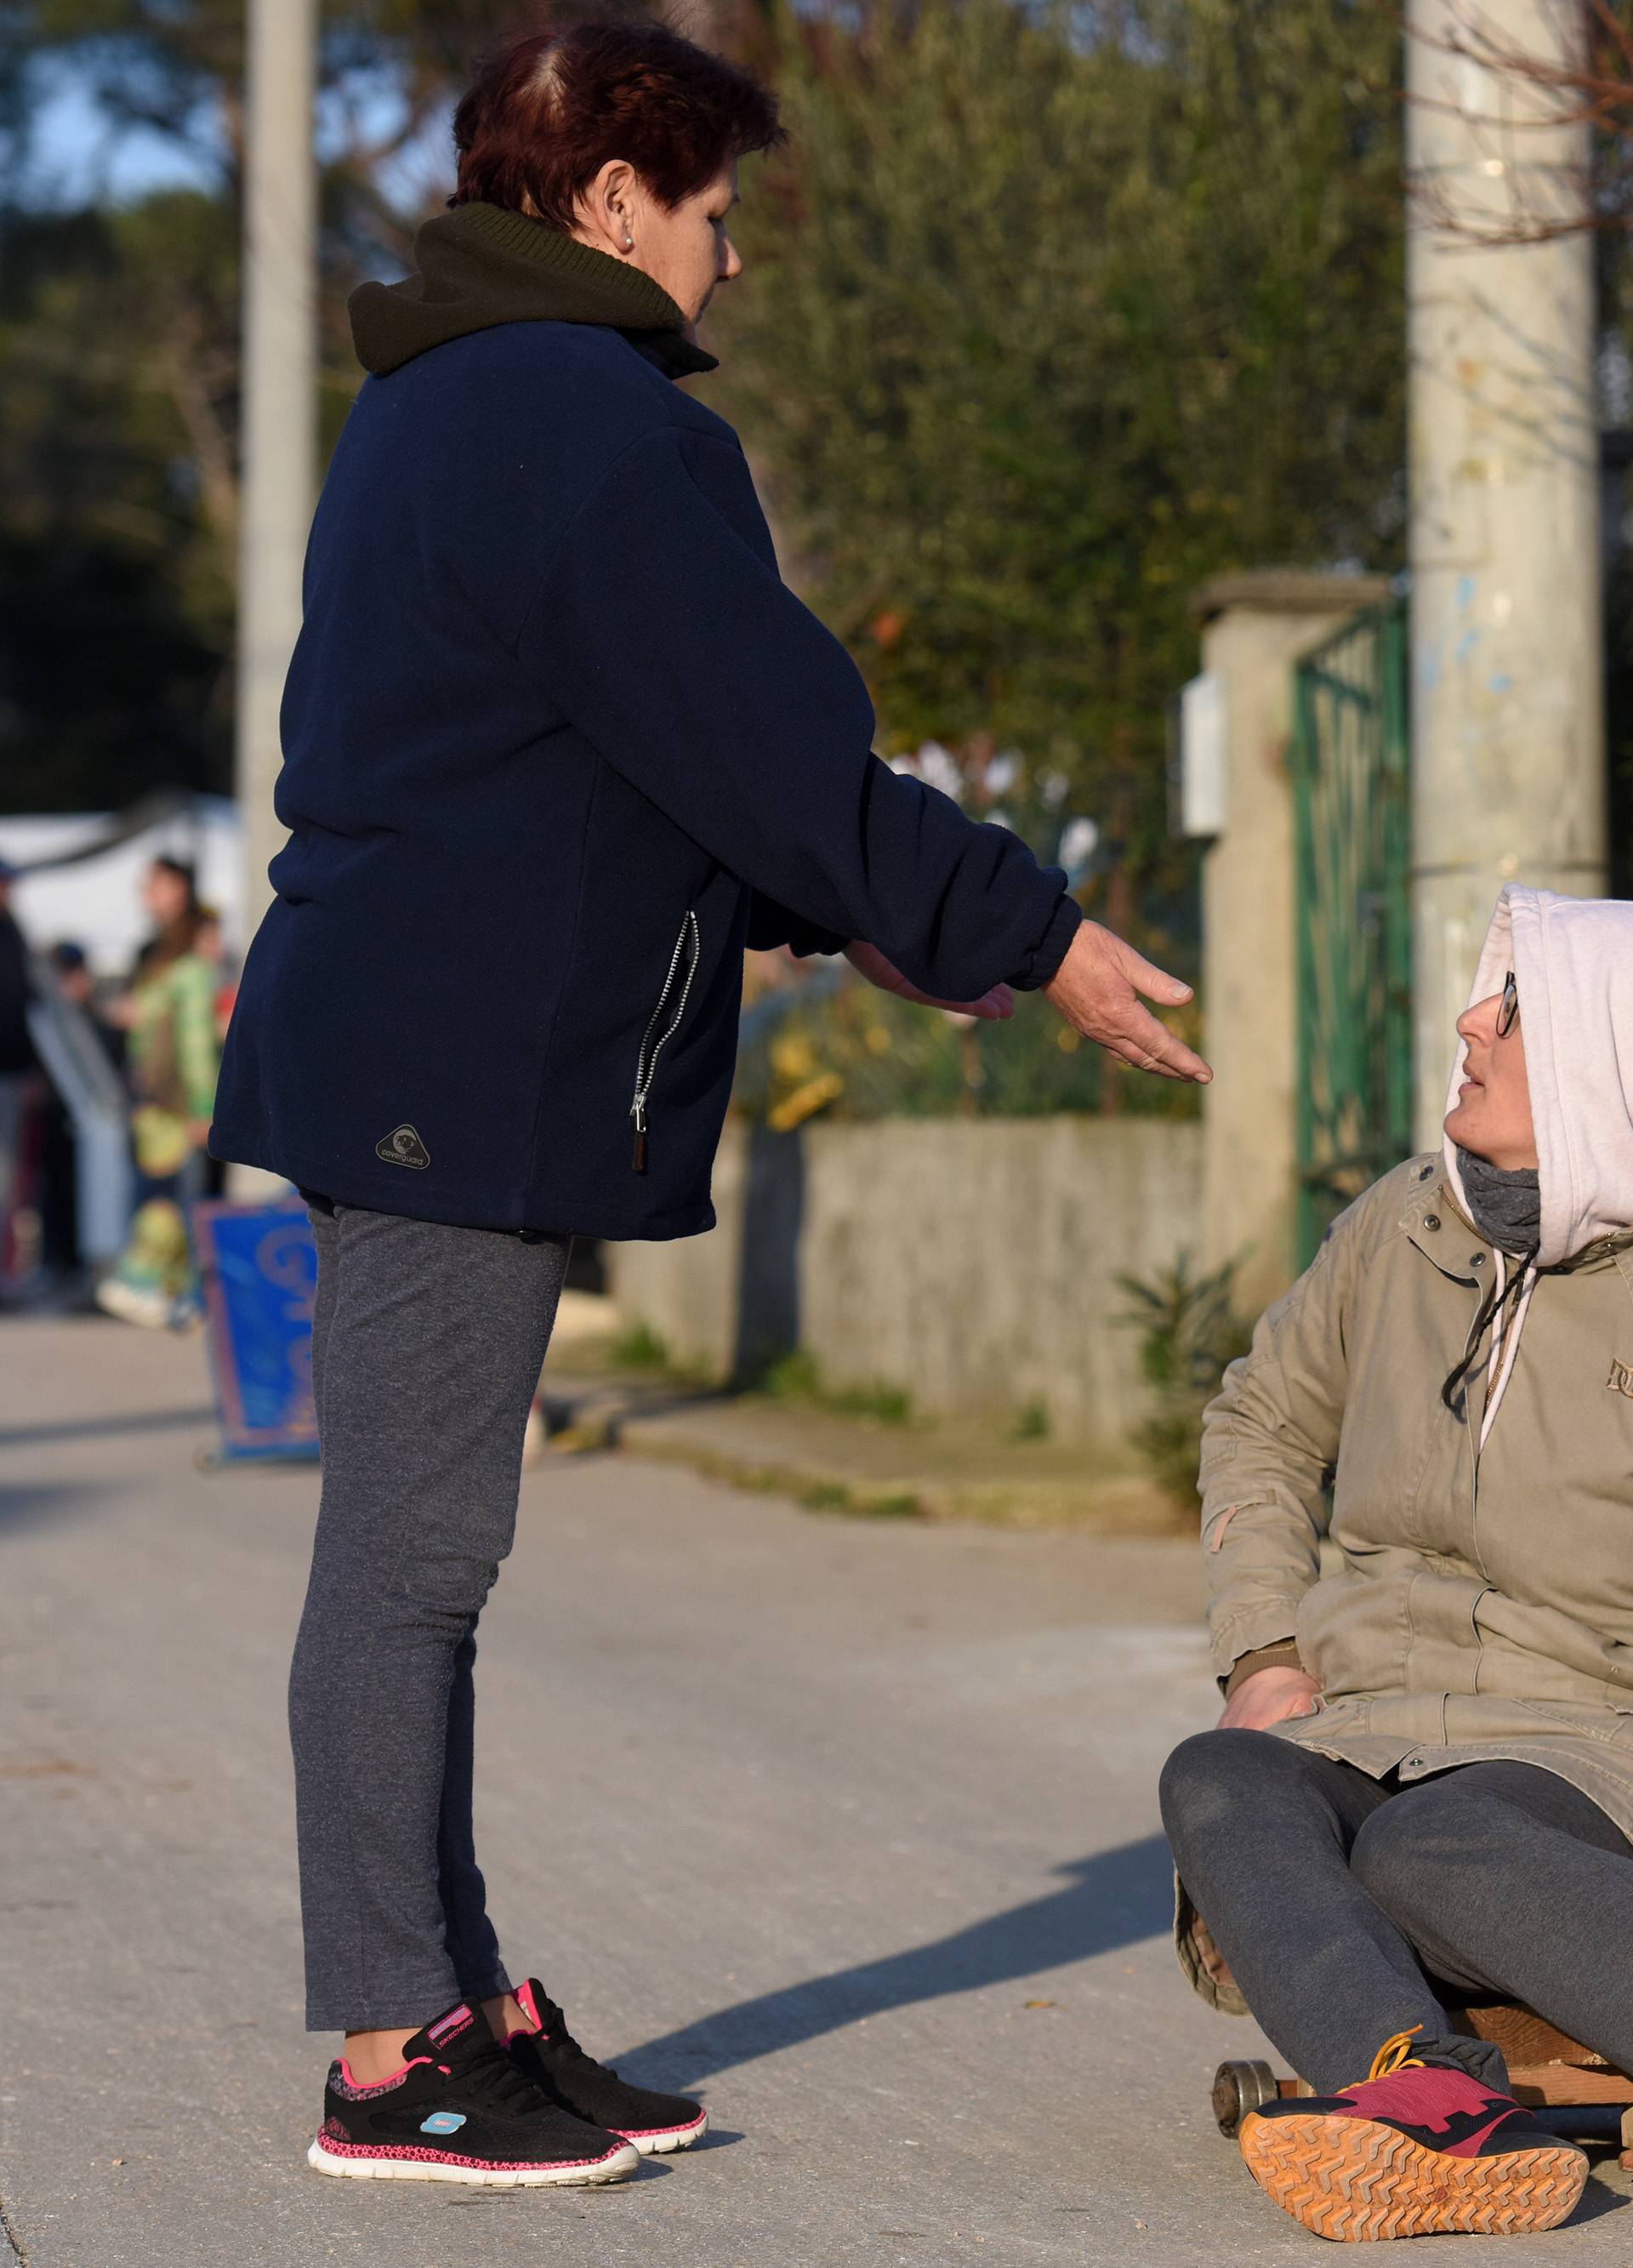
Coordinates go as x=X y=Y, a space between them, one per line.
x=797 y=1377
x=640 y=1348
x=1189 y=1331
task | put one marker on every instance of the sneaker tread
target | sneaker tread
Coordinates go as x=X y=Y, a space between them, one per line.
x=1360 y=2181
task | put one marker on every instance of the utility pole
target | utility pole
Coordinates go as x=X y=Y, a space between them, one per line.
x=1508 y=735
x=280 y=403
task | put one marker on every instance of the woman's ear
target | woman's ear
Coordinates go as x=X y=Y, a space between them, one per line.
x=608 y=211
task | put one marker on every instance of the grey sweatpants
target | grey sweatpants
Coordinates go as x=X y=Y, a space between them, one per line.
x=1350 y=1909
x=427 y=1345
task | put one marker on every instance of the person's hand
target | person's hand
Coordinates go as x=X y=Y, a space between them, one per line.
x=997 y=1006
x=1269 y=1697
x=1096 y=988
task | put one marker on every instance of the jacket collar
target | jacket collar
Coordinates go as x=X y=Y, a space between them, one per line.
x=1435 y=1222
x=1435 y=1219
x=480 y=266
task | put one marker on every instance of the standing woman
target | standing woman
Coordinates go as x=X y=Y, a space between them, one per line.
x=559 y=744
x=172 y=1054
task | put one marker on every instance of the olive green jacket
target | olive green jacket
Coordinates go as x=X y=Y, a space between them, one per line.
x=1470 y=1604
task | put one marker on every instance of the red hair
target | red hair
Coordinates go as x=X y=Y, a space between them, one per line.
x=546 y=113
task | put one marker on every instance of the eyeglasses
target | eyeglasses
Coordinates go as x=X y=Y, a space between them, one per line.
x=1508 y=1013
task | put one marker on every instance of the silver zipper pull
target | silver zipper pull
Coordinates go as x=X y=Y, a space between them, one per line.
x=637 y=1111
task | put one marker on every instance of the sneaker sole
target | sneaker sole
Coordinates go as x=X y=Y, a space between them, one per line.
x=1357 y=2180
x=669 y=2138
x=618 y=2168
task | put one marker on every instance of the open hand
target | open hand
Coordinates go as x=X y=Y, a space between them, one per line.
x=1269 y=1697
x=1096 y=988
x=997 y=1006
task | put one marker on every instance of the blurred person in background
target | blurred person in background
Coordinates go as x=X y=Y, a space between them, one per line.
x=75 y=981
x=69 y=971
x=174 y=1053
x=559 y=744
x=70 y=966
x=16 y=1060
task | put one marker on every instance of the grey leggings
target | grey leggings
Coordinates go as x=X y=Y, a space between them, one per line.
x=1350 y=1908
x=427 y=1345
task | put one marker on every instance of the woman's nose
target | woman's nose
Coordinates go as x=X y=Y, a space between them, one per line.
x=1480 y=1021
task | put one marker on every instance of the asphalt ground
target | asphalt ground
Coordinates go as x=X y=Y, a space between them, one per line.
x=848 y=1825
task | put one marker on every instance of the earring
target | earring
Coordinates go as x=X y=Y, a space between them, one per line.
x=629 y=241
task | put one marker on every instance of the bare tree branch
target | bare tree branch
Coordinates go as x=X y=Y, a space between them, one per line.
x=1582 y=80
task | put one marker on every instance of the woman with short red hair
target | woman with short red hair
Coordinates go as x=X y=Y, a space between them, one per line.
x=559 y=744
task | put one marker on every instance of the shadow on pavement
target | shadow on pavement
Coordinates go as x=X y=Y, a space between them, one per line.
x=1597 y=2201
x=1112 y=1899
x=97 y=1428
x=717 y=2138
x=36 y=1502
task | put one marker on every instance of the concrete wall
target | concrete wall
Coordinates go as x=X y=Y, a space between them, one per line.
x=973 y=1264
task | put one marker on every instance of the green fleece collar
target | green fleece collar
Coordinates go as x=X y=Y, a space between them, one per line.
x=480 y=266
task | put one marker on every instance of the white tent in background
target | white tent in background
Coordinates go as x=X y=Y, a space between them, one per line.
x=81 y=873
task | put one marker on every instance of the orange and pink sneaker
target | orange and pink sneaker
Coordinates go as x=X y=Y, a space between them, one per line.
x=1412 y=2150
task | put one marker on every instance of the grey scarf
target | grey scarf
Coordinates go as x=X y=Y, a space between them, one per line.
x=1506 y=1207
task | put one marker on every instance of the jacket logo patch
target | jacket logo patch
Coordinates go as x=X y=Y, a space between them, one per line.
x=1621 y=1379
x=404 y=1147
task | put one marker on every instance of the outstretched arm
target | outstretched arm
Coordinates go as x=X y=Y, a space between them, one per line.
x=664 y=631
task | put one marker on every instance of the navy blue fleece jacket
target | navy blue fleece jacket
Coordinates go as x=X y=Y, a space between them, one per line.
x=558 y=742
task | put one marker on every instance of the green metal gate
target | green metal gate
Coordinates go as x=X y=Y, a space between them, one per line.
x=1351 y=781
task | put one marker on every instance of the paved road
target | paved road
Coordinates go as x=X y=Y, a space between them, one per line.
x=803 y=1813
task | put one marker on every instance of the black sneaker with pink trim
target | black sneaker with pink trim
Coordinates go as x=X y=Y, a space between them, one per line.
x=552 y=2060
x=461 y=2109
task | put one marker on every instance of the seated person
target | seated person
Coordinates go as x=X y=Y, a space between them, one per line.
x=1421 y=1791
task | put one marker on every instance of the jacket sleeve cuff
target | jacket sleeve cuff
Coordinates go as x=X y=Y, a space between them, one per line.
x=1285 y=1655
x=1043 y=963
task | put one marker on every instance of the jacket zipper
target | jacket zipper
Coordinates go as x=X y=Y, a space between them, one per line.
x=688 y=953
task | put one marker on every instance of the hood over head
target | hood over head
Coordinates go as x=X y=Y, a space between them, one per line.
x=480 y=266
x=1572 y=959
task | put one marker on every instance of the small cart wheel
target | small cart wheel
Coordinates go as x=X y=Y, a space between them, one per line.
x=1240 y=2088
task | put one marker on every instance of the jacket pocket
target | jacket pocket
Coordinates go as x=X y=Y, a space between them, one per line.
x=1354 y=1633
x=665 y=1023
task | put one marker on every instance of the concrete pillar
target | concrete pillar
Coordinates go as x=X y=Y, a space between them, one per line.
x=280 y=404
x=1255 y=627
x=1508 y=754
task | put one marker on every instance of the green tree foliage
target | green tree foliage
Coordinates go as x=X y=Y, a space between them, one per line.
x=1049 y=317
x=119 y=380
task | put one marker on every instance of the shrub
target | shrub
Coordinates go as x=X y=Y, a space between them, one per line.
x=1189 y=1331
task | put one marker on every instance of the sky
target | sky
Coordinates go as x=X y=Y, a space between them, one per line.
x=80 y=156
x=77 y=161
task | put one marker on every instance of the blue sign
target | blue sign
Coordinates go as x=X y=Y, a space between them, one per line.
x=260 y=1269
